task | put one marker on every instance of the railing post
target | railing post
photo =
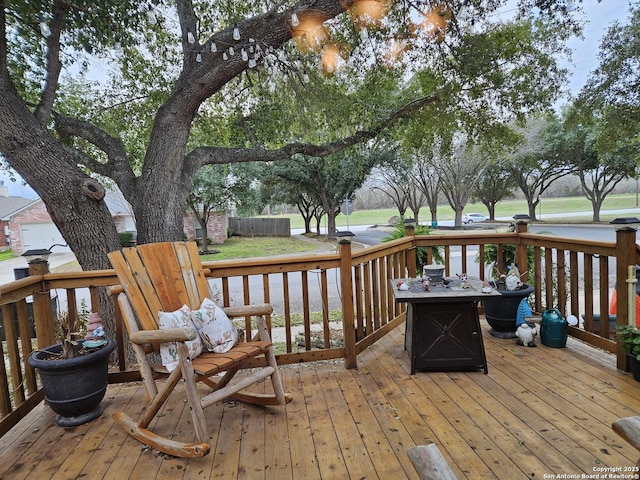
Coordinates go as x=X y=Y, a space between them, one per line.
x=522 y=257
x=346 y=289
x=411 y=251
x=625 y=256
x=42 y=314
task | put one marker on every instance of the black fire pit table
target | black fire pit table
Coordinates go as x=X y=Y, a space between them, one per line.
x=443 y=327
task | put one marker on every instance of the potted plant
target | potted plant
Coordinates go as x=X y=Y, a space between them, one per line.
x=74 y=372
x=629 y=338
x=502 y=312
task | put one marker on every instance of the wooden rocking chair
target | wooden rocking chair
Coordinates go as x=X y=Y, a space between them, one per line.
x=162 y=277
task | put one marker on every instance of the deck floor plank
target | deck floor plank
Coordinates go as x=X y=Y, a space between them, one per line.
x=356 y=457
x=304 y=463
x=418 y=390
x=539 y=411
x=125 y=454
x=325 y=441
x=388 y=462
x=402 y=428
x=252 y=462
x=93 y=436
x=591 y=432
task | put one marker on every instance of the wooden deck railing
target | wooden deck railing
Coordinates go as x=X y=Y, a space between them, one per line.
x=352 y=285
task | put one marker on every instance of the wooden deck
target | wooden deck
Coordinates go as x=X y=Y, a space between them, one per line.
x=540 y=411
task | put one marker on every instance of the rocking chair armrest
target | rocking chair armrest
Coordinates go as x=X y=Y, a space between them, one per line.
x=183 y=334
x=248 y=310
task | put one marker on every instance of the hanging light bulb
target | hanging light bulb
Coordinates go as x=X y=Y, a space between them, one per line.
x=252 y=62
x=305 y=77
x=245 y=55
x=225 y=56
x=190 y=37
x=214 y=49
x=236 y=33
x=151 y=16
x=198 y=57
x=295 y=21
x=232 y=52
x=44 y=28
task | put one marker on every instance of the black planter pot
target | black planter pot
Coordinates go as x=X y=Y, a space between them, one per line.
x=501 y=312
x=634 y=363
x=75 y=387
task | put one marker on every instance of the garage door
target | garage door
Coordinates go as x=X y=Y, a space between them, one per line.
x=42 y=235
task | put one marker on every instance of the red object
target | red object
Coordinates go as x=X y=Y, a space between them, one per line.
x=613 y=306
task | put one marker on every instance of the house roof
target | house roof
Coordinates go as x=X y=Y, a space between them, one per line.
x=117 y=204
x=9 y=206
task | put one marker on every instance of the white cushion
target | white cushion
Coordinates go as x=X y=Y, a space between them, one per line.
x=217 y=332
x=168 y=351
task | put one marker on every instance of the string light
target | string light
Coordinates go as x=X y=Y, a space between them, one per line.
x=190 y=37
x=214 y=48
x=232 y=52
x=295 y=21
x=44 y=28
x=236 y=33
x=198 y=57
x=245 y=55
x=252 y=62
x=225 y=56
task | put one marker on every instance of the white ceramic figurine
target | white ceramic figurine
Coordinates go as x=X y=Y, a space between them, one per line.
x=526 y=335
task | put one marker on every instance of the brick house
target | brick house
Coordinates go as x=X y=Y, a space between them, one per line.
x=27 y=225
x=8 y=207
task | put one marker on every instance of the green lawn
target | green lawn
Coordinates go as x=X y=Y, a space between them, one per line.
x=6 y=255
x=246 y=247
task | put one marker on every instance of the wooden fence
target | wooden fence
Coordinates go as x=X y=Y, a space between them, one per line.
x=260 y=227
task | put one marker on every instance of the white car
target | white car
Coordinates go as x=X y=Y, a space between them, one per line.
x=469 y=218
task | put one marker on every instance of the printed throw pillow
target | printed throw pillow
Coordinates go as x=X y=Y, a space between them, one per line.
x=217 y=332
x=168 y=351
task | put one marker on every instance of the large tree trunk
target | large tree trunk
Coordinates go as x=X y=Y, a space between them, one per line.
x=74 y=201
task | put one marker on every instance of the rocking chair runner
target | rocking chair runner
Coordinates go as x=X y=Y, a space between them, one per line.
x=163 y=277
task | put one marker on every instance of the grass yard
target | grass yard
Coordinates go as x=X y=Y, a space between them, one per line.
x=247 y=247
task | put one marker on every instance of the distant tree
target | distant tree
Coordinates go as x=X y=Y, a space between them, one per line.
x=599 y=173
x=327 y=180
x=427 y=179
x=211 y=192
x=494 y=184
x=398 y=183
x=539 y=159
x=604 y=121
x=459 y=165
x=612 y=89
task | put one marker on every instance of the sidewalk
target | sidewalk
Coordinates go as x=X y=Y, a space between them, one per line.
x=7 y=274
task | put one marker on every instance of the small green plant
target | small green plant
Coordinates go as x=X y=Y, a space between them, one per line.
x=629 y=338
x=126 y=238
x=68 y=329
x=400 y=231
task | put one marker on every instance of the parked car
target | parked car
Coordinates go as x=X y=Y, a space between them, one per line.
x=469 y=218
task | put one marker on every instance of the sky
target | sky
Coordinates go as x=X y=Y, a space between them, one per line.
x=598 y=16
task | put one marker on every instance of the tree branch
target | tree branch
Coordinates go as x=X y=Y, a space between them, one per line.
x=215 y=155
x=117 y=167
x=53 y=63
